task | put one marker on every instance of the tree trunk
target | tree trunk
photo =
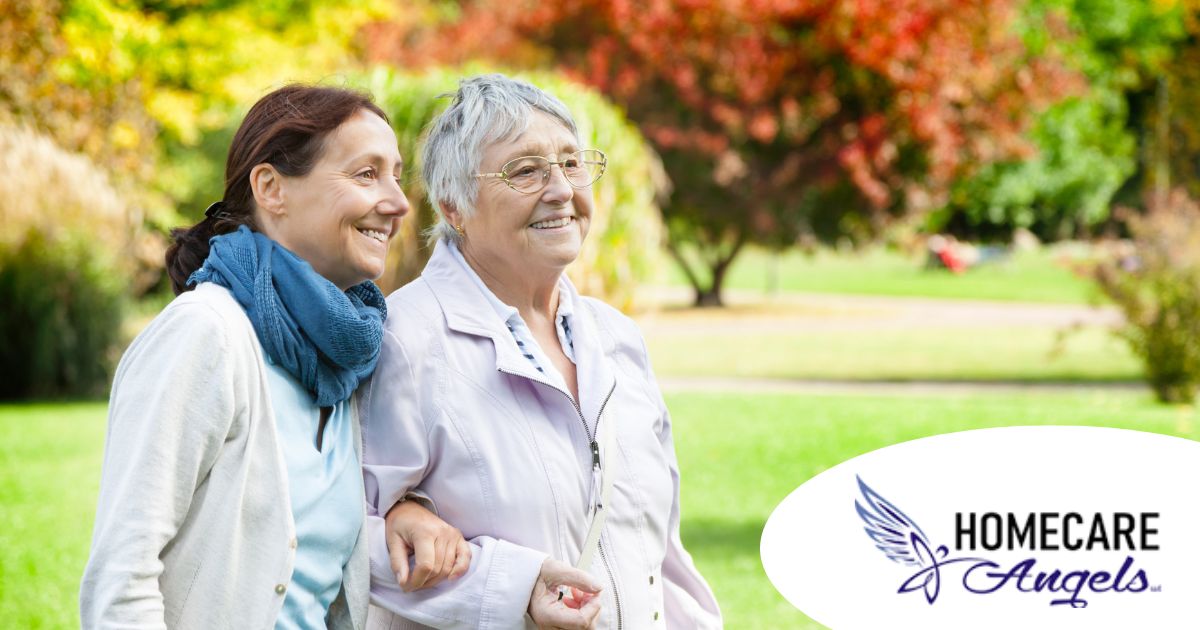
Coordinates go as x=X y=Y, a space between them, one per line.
x=711 y=297
x=1162 y=143
x=718 y=266
x=708 y=298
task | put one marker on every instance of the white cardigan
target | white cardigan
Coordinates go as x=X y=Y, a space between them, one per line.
x=194 y=526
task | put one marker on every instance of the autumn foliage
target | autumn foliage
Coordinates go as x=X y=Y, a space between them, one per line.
x=778 y=120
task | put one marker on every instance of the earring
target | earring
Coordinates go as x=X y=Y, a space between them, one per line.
x=460 y=230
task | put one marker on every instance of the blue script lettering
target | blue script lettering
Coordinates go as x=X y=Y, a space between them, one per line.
x=981 y=578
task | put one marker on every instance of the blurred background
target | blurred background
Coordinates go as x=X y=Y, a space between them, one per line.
x=841 y=224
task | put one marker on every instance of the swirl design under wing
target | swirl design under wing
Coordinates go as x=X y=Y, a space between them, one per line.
x=894 y=533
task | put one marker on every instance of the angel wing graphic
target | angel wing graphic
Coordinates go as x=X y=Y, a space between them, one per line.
x=901 y=540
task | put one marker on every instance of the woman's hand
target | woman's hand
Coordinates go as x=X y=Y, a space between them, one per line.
x=576 y=609
x=441 y=552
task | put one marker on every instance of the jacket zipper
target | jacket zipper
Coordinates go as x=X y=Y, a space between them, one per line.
x=596 y=464
x=595 y=449
x=593 y=446
x=611 y=580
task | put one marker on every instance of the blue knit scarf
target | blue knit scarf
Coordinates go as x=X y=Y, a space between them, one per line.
x=328 y=339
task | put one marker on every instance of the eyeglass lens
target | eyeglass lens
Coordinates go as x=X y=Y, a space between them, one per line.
x=530 y=174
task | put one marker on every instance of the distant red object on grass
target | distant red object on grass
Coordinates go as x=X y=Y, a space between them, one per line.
x=949 y=253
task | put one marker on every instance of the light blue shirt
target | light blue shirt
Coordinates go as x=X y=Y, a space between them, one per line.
x=326 y=493
x=520 y=331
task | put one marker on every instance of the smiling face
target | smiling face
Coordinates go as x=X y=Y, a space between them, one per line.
x=341 y=216
x=519 y=233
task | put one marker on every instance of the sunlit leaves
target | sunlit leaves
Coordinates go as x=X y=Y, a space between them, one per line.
x=767 y=112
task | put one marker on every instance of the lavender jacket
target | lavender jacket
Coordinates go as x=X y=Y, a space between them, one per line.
x=455 y=414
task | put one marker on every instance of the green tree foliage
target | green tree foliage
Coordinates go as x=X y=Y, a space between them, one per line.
x=1084 y=154
x=622 y=247
x=1088 y=147
x=196 y=67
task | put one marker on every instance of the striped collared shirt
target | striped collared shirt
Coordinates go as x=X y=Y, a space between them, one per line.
x=521 y=334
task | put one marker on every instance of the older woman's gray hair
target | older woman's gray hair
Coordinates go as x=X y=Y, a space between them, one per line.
x=486 y=109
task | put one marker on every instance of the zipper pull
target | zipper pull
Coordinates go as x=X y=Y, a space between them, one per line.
x=595 y=454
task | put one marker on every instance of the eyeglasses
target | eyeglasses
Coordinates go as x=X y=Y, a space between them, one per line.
x=531 y=173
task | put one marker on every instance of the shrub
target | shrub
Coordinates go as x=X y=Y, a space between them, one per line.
x=61 y=321
x=1155 y=281
x=68 y=255
x=623 y=247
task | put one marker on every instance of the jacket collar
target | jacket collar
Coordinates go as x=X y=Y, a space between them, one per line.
x=468 y=311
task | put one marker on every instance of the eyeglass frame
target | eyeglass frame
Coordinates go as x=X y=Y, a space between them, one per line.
x=546 y=180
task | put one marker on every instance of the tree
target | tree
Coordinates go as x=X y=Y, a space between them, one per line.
x=1165 y=112
x=1090 y=145
x=779 y=121
x=195 y=67
x=138 y=85
x=104 y=120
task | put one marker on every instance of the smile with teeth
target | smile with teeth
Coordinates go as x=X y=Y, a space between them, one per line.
x=545 y=225
x=375 y=234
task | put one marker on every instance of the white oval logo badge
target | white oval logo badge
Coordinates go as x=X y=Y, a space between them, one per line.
x=1016 y=527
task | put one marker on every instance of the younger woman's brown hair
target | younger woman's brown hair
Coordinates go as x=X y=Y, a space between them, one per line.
x=286 y=129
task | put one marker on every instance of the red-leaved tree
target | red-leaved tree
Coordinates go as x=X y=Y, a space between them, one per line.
x=777 y=120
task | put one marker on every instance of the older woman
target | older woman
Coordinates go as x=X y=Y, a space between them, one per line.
x=527 y=414
x=232 y=493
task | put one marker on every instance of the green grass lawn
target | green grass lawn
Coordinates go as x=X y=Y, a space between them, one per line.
x=965 y=354
x=740 y=455
x=1028 y=277
x=49 y=478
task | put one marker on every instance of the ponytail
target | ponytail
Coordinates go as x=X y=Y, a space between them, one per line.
x=189 y=246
